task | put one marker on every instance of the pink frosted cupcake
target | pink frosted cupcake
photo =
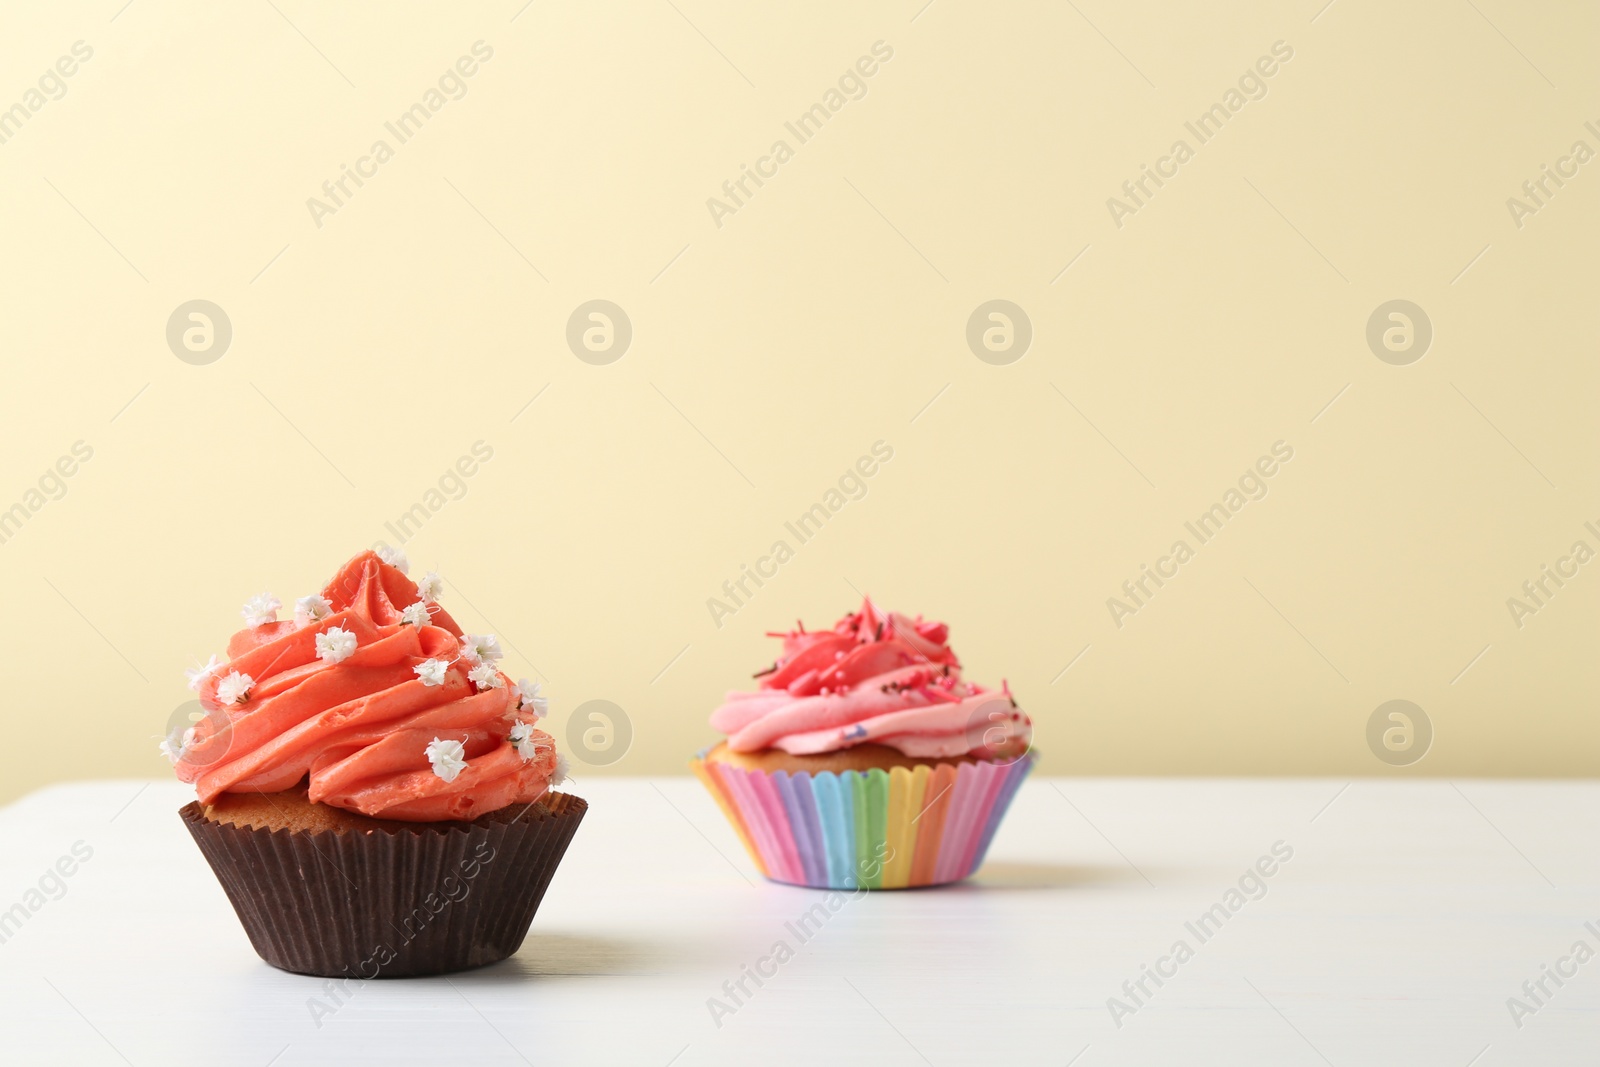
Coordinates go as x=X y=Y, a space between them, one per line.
x=864 y=759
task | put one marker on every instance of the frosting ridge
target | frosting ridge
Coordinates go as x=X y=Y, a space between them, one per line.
x=879 y=677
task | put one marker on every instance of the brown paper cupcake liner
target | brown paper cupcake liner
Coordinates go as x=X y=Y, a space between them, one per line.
x=389 y=904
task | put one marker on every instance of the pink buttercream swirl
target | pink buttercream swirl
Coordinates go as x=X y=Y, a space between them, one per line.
x=878 y=677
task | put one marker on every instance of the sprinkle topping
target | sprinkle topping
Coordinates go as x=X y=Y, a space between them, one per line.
x=310 y=609
x=448 y=758
x=525 y=739
x=176 y=745
x=479 y=648
x=484 y=676
x=394 y=557
x=234 y=689
x=335 y=645
x=531 y=700
x=261 y=609
x=431 y=587
x=197 y=675
x=403 y=653
x=431 y=671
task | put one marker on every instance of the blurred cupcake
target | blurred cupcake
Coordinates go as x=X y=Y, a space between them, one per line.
x=373 y=793
x=864 y=759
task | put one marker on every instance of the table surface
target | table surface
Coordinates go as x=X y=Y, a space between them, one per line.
x=1405 y=917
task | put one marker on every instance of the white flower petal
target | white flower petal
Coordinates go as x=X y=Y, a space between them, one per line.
x=198 y=675
x=335 y=645
x=528 y=741
x=394 y=557
x=416 y=615
x=431 y=671
x=477 y=648
x=529 y=699
x=176 y=744
x=310 y=609
x=261 y=609
x=234 y=689
x=449 y=758
x=431 y=587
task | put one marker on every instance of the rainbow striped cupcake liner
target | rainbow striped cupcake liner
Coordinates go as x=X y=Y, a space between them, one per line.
x=877 y=829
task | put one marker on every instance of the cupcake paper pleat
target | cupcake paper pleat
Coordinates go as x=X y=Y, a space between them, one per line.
x=389 y=904
x=875 y=829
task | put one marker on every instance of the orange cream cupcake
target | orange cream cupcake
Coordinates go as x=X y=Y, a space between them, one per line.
x=374 y=794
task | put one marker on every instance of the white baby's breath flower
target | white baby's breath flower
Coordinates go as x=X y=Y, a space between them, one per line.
x=394 y=557
x=262 y=609
x=310 y=609
x=484 y=676
x=416 y=615
x=563 y=771
x=449 y=758
x=234 y=689
x=176 y=744
x=335 y=645
x=197 y=675
x=522 y=737
x=529 y=699
x=431 y=671
x=431 y=588
x=478 y=648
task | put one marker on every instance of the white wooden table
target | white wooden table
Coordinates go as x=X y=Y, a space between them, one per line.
x=1409 y=913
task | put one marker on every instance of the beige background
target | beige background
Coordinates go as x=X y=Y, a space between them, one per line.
x=827 y=313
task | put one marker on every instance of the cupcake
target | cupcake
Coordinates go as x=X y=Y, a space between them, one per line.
x=372 y=792
x=865 y=760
